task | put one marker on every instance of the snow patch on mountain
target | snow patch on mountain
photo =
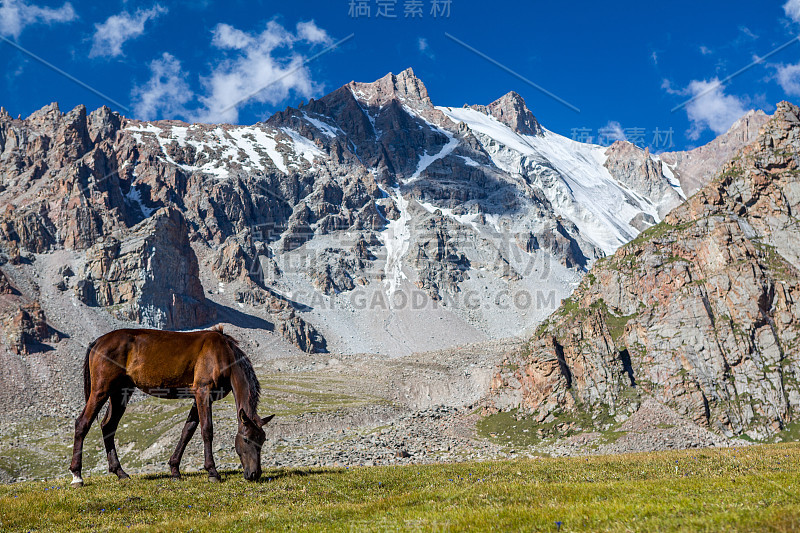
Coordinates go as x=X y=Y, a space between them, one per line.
x=225 y=144
x=470 y=219
x=250 y=140
x=583 y=192
x=397 y=239
x=134 y=197
x=469 y=161
x=594 y=190
x=427 y=159
x=324 y=127
x=269 y=144
x=358 y=95
x=302 y=146
x=669 y=174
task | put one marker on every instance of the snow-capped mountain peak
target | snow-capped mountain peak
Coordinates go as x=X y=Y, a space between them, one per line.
x=368 y=220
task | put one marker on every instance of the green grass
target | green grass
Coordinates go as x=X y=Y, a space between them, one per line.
x=506 y=429
x=651 y=233
x=511 y=428
x=616 y=324
x=778 y=265
x=791 y=432
x=745 y=489
x=568 y=307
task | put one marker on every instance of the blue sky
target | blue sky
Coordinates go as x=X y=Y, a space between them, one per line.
x=625 y=65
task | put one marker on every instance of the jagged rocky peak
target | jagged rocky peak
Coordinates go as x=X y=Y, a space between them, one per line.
x=51 y=116
x=788 y=115
x=103 y=123
x=638 y=169
x=428 y=189
x=405 y=87
x=511 y=110
x=51 y=109
x=697 y=167
x=747 y=127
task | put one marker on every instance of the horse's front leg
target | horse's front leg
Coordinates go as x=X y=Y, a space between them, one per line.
x=204 y=400
x=116 y=408
x=186 y=435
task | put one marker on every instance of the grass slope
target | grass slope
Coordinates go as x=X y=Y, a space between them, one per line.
x=744 y=489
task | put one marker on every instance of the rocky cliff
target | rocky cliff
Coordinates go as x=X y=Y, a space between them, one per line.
x=367 y=221
x=699 y=313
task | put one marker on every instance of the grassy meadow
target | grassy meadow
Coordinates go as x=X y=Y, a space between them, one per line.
x=743 y=489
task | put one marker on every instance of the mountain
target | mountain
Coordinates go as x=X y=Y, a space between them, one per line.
x=695 y=168
x=699 y=313
x=369 y=220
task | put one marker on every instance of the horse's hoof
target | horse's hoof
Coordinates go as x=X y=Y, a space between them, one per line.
x=76 y=484
x=175 y=477
x=123 y=477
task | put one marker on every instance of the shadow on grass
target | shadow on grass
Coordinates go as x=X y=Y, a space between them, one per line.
x=268 y=475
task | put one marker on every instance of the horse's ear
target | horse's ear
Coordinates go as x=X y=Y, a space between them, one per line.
x=266 y=419
x=245 y=419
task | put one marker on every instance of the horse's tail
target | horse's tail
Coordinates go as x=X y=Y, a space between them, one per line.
x=87 y=378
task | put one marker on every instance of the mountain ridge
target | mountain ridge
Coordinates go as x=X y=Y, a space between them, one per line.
x=320 y=229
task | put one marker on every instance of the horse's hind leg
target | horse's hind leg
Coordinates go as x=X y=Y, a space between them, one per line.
x=82 y=425
x=116 y=408
x=186 y=436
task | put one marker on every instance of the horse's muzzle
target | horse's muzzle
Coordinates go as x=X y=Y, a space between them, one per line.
x=252 y=476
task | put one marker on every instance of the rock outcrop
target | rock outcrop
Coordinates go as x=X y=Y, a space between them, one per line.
x=151 y=278
x=701 y=312
x=511 y=110
x=25 y=329
x=642 y=172
x=23 y=323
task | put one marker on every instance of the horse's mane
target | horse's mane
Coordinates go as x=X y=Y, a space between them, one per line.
x=243 y=362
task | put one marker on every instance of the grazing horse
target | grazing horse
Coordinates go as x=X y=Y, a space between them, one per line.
x=204 y=365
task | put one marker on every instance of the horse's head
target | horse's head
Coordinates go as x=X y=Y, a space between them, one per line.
x=249 y=440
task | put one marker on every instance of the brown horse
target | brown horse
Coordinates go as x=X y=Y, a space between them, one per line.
x=204 y=365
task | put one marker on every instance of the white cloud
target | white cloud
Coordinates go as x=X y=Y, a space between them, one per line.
x=167 y=92
x=16 y=15
x=260 y=67
x=109 y=36
x=228 y=37
x=667 y=86
x=611 y=133
x=705 y=50
x=309 y=32
x=265 y=70
x=792 y=9
x=710 y=108
x=788 y=77
x=747 y=32
x=424 y=47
